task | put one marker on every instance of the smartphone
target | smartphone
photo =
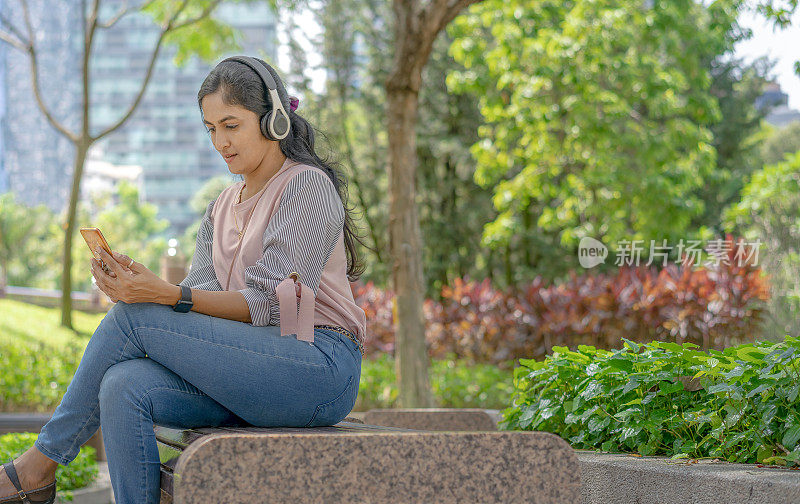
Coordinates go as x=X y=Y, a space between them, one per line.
x=94 y=238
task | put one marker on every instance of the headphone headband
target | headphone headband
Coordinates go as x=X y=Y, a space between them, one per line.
x=275 y=124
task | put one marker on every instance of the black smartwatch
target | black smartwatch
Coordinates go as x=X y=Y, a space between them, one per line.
x=185 y=303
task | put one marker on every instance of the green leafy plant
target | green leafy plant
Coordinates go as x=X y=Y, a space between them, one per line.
x=81 y=472
x=740 y=404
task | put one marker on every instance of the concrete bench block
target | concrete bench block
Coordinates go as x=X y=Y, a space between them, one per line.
x=434 y=419
x=352 y=462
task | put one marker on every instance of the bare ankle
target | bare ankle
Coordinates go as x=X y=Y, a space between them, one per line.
x=41 y=466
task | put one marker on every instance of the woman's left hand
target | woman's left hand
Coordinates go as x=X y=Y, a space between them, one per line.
x=134 y=284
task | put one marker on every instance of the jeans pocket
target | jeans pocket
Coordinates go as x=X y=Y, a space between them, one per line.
x=334 y=411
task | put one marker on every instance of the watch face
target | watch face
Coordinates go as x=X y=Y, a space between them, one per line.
x=183 y=306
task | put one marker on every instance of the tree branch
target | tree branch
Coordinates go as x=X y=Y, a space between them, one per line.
x=19 y=44
x=14 y=31
x=169 y=28
x=124 y=12
x=111 y=22
x=89 y=28
x=31 y=50
x=209 y=8
x=454 y=7
x=431 y=19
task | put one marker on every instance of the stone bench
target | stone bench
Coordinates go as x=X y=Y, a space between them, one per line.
x=357 y=462
x=434 y=419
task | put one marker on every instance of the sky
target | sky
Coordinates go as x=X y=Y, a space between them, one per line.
x=777 y=44
x=308 y=30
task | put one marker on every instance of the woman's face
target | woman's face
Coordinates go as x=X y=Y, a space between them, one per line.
x=235 y=133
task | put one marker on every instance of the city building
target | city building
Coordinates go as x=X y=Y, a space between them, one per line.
x=102 y=177
x=36 y=159
x=779 y=113
x=165 y=136
x=3 y=49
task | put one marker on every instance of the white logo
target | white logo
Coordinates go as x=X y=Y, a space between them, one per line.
x=591 y=252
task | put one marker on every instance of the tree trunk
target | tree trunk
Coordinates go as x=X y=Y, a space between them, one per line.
x=416 y=26
x=508 y=267
x=411 y=353
x=81 y=149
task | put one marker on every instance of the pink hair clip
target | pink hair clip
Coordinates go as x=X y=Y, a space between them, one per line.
x=293 y=103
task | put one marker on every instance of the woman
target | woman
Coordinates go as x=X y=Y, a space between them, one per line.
x=225 y=346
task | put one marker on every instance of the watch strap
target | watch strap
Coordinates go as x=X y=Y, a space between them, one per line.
x=185 y=303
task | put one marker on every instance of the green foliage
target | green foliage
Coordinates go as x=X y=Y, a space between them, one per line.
x=352 y=116
x=132 y=227
x=38 y=357
x=769 y=211
x=779 y=12
x=779 y=141
x=454 y=384
x=740 y=404
x=31 y=239
x=737 y=135
x=36 y=375
x=460 y=384
x=80 y=473
x=452 y=208
x=27 y=242
x=209 y=192
x=597 y=113
x=206 y=38
x=129 y=225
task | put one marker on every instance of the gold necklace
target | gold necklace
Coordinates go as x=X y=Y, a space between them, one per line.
x=235 y=223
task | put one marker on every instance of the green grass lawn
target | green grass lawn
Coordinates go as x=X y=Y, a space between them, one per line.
x=30 y=323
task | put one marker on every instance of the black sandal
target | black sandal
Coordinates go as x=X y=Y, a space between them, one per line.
x=24 y=497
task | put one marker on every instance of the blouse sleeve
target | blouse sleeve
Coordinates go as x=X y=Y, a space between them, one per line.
x=300 y=237
x=201 y=273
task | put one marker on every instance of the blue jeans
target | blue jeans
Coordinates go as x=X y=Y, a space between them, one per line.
x=147 y=364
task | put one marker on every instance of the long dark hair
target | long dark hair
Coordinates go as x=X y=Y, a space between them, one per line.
x=241 y=86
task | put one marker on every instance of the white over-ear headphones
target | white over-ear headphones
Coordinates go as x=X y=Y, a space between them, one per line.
x=275 y=124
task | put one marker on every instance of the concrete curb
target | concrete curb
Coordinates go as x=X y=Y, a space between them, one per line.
x=612 y=478
x=99 y=492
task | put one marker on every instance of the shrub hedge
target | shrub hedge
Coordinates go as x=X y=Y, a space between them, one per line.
x=740 y=404
x=711 y=307
x=80 y=473
x=453 y=384
x=36 y=375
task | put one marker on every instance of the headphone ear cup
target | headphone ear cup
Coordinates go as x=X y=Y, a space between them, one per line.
x=280 y=125
x=265 y=127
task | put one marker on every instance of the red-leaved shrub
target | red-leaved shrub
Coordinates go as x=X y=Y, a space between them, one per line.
x=714 y=307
